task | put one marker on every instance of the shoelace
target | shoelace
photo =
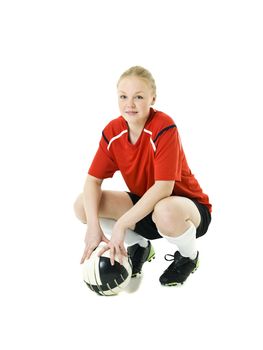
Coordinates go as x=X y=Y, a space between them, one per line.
x=176 y=259
x=169 y=257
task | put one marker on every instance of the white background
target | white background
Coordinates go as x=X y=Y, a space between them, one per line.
x=60 y=61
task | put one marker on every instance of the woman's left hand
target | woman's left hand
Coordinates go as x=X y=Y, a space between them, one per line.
x=116 y=244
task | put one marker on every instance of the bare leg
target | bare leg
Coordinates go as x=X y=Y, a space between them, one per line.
x=113 y=205
x=174 y=215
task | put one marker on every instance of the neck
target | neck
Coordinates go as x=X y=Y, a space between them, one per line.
x=136 y=126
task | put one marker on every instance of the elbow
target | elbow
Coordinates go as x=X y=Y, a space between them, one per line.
x=165 y=188
x=92 y=180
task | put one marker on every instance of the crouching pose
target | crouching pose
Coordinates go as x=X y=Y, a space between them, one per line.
x=164 y=199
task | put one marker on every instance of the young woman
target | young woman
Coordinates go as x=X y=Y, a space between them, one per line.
x=165 y=199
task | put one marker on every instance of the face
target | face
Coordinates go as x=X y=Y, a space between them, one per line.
x=135 y=97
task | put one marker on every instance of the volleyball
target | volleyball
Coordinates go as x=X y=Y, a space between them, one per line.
x=103 y=278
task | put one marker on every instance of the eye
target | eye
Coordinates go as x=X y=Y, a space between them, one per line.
x=123 y=97
x=139 y=97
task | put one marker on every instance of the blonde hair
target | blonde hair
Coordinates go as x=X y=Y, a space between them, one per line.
x=140 y=72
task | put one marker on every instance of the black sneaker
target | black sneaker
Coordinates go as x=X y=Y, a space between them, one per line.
x=139 y=256
x=179 y=270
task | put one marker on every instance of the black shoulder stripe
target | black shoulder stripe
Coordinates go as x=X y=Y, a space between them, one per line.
x=105 y=138
x=163 y=130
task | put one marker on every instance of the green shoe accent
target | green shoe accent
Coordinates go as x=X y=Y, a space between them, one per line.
x=136 y=274
x=173 y=284
x=197 y=265
x=151 y=254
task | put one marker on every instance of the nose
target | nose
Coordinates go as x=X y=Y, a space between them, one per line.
x=130 y=103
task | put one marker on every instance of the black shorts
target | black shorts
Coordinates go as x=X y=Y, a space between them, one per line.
x=147 y=228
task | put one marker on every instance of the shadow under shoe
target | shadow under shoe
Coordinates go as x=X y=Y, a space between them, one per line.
x=139 y=255
x=179 y=270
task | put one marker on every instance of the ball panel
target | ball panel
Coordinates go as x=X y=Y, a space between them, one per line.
x=89 y=267
x=111 y=274
x=94 y=288
x=103 y=278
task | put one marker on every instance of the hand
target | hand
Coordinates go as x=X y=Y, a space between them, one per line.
x=116 y=244
x=94 y=236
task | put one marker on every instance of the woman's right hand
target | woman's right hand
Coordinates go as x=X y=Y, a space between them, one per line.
x=94 y=236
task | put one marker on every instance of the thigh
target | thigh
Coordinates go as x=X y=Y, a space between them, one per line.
x=113 y=205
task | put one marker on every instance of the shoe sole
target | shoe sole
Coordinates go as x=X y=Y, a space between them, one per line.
x=174 y=284
x=151 y=256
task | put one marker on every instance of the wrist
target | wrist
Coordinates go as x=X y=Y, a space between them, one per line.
x=120 y=224
x=94 y=223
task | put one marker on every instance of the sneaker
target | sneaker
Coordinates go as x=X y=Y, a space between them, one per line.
x=179 y=270
x=139 y=256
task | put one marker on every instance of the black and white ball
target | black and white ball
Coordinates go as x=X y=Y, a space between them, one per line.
x=103 y=278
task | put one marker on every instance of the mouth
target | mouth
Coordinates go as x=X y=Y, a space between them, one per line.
x=131 y=113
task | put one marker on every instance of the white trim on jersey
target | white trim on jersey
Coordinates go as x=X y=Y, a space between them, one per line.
x=125 y=131
x=151 y=140
x=116 y=137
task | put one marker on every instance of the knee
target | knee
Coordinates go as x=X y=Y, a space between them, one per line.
x=162 y=216
x=167 y=219
x=79 y=209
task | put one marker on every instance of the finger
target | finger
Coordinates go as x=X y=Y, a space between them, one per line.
x=123 y=250
x=86 y=255
x=103 y=250
x=112 y=255
x=83 y=258
x=105 y=239
x=119 y=255
x=89 y=252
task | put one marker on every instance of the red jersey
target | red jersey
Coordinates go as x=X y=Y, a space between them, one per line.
x=157 y=155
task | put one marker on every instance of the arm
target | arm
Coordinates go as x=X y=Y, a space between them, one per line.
x=91 y=198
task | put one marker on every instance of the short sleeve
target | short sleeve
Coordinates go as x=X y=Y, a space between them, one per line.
x=168 y=157
x=103 y=165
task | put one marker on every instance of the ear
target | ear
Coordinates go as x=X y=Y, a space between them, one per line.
x=153 y=101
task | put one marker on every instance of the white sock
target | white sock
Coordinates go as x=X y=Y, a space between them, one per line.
x=131 y=237
x=186 y=243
